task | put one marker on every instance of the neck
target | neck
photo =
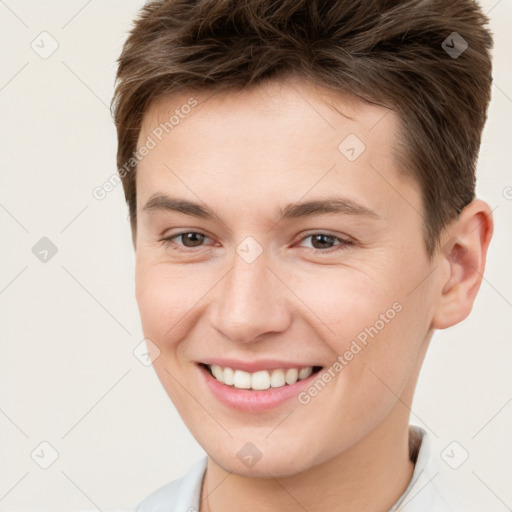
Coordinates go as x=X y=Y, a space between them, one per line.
x=369 y=477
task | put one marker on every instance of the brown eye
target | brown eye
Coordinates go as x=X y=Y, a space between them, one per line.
x=189 y=240
x=323 y=242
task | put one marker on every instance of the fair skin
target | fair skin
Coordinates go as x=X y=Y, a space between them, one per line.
x=244 y=155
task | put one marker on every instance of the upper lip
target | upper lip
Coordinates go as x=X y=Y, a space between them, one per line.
x=254 y=366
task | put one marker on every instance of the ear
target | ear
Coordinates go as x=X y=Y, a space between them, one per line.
x=464 y=255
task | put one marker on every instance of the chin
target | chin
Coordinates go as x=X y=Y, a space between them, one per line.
x=265 y=463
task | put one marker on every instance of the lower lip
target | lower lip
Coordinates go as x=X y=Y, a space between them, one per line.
x=247 y=400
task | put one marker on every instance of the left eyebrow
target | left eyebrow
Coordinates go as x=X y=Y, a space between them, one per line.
x=336 y=205
x=332 y=205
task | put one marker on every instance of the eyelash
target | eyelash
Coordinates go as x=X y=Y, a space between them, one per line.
x=342 y=245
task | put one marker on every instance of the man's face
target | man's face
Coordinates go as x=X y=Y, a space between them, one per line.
x=346 y=290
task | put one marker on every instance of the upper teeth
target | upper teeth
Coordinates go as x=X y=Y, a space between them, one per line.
x=259 y=380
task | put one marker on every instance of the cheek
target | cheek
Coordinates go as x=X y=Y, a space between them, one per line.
x=371 y=323
x=344 y=302
x=165 y=298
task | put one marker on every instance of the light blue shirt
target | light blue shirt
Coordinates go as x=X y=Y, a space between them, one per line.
x=421 y=495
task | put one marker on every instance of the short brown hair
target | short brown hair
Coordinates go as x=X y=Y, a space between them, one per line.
x=409 y=56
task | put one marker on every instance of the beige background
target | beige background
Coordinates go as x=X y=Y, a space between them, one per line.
x=70 y=325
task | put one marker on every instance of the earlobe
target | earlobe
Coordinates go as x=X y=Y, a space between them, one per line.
x=465 y=255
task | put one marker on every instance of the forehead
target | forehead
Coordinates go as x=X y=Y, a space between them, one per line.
x=278 y=138
x=282 y=100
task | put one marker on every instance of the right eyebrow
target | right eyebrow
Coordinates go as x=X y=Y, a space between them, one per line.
x=160 y=202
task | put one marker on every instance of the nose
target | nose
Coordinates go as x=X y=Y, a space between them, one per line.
x=252 y=302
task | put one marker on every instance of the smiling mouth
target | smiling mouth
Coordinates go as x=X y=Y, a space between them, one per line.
x=260 y=380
